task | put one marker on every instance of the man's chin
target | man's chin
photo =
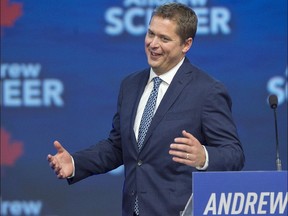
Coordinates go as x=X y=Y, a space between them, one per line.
x=153 y=66
x=153 y=63
x=157 y=70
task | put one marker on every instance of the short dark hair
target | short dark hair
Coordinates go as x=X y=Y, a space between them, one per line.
x=183 y=15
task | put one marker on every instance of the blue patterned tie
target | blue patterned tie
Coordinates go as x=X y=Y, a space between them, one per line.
x=148 y=112
x=146 y=121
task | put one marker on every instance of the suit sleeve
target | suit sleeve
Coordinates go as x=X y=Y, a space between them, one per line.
x=222 y=142
x=102 y=157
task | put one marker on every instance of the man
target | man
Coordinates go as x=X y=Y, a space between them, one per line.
x=192 y=127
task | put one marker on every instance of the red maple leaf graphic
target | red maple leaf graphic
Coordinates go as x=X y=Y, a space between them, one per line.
x=10 y=12
x=10 y=150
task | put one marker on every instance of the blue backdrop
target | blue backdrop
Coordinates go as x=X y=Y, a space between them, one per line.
x=61 y=67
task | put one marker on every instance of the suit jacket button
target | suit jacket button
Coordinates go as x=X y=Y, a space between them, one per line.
x=140 y=163
x=132 y=193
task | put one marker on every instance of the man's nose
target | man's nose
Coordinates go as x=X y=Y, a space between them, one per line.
x=154 y=42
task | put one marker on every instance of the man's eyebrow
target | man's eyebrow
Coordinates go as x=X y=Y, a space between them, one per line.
x=160 y=35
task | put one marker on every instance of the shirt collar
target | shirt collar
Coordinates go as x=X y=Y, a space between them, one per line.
x=168 y=76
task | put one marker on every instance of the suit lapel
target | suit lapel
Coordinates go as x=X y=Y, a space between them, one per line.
x=140 y=86
x=181 y=79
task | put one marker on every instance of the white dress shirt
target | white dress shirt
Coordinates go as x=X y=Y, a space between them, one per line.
x=166 y=80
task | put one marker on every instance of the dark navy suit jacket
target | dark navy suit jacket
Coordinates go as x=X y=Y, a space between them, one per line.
x=194 y=102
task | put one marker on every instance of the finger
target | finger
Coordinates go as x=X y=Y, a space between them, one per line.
x=180 y=147
x=56 y=171
x=60 y=174
x=57 y=168
x=183 y=155
x=183 y=161
x=189 y=135
x=53 y=164
x=58 y=147
x=49 y=157
x=187 y=138
x=176 y=153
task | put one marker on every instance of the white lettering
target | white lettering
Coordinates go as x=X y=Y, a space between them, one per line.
x=203 y=21
x=113 y=17
x=251 y=202
x=3 y=70
x=32 y=208
x=220 y=18
x=16 y=71
x=279 y=86
x=211 y=205
x=53 y=90
x=214 y=21
x=129 y=21
x=135 y=20
x=154 y=3
x=128 y=3
x=262 y=203
x=195 y=3
x=238 y=200
x=11 y=93
x=224 y=203
x=241 y=204
x=32 y=92
x=16 y=208
x=274 y=203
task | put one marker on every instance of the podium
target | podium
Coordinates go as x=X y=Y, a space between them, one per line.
x=238 y=193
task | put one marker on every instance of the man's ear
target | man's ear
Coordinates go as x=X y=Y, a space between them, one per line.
x=187 y=45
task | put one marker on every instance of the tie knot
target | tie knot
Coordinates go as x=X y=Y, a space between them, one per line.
x=157 y=81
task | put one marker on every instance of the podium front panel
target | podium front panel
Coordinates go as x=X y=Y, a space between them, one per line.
x=240 y=193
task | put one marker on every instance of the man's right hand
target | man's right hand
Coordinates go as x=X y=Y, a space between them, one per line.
x=61 y=162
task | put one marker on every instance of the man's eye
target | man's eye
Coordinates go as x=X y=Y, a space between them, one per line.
x=164 y=39
x=150 y=33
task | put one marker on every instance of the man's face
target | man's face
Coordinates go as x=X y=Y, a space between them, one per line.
x=163 y=46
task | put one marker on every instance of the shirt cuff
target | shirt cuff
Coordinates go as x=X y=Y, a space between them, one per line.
x=206 y=162
x=73 y=174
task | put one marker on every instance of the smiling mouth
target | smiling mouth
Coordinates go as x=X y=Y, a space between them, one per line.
x=155 y=54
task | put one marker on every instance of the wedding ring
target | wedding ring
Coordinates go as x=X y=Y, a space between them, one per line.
x=187 y=156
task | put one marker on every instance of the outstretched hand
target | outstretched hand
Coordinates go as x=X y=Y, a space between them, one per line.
x=188 y=150
x=61 y=162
